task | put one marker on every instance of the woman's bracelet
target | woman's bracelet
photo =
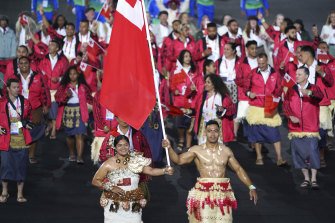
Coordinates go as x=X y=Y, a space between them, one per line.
x=252 y=187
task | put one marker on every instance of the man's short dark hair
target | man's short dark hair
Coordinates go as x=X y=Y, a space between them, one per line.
x=163 y=12
x=309 y=49
x=23 y=46
x=288 y=28
x=211 y=24
x=212 y=122
x=288 y=21
x=262 y=55
x=206 y=64
x=85 y=21
x=57 y=43
x=323 y=42
x=305 y=69
x=11 y=80
x=71 y=24
x=24 y=57
x=231 y=21
x=89 y=9
x=176 y=20
x=251 y=42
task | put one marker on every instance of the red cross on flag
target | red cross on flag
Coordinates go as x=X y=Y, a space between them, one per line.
x=322 y=55
x=24 y=19
x=105 y=11
x=86 y=69
x=92 y=50
x=128 y=84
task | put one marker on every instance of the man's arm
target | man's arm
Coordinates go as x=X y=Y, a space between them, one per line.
x=242 y=175
x=181 y=159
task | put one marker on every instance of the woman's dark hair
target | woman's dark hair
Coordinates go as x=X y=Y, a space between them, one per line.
x=66 y=78
x=181 y=60
x=206 y=64
x=119 y=138
x=219 y=85
x=55 y=25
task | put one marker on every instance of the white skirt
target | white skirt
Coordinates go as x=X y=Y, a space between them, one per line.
x=122 y=216
x=242 y=110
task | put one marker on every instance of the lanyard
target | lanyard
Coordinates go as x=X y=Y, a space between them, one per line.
x=25 y=84
x=18 y=107
x=66 y=47
x=213 y=100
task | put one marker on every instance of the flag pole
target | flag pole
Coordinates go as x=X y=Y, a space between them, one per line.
x=156 y=87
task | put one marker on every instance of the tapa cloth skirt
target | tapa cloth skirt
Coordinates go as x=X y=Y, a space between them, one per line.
x=14 y=164
x=73 y=124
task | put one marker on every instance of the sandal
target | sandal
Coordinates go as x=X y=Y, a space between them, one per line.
x=281 y=163
x=21 y=200
x=47 y=131
x=52 y=137
x=32 y=160
x=305 y=184
x=80 y=161
x=4 y=198
x=180 y=146
x=259 y=162
x=315 y=185
x=72 y=158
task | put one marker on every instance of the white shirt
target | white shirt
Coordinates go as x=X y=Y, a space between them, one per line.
x=86 y=38
x=238 y=48
x=265 y=74
x=25 y=84
x=164 y=30
x=299 y=87
x=69 y=48
x=215 y=47
x=254 y=36
x=328 y=30
x=75 y=97
x=227 y=69
x=53 y=61
x=209 y=108
x=61 y=31
x=290 y=46
x=312 y=72
x=45 y=39
x=253 y=63
x=130 y=137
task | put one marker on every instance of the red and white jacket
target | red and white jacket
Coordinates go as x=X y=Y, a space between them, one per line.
x=5 y=121
x=58 y=71
x=331 y=90
x=239 y=42
x=255 y=83
x=99 y=114
x=242 y=75
x=227 y=118
x=13 y=68
x=61 y=98
x=305 y=108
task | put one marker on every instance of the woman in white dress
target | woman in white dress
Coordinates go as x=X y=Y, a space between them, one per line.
x=118 y=178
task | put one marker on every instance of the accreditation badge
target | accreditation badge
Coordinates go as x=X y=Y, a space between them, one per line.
x=14 y=128
x=109 y=115
x=25 y=93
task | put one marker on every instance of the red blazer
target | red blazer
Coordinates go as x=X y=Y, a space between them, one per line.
x=39 y=93
x=275 y=35
x=61 y=98
x=14 y=63
x=185 y=97
x=242 y=74
x=140 y=143
x=227 y=119
x=239 y=42
x=58 y=71
x=177 y=46
x=331 y=90
x=255 y=83
x=99 y=114
x=306 y=109
x=323 y=83
x=283 y=50
x=201 y=47
x=4 y=121
x=165 y=62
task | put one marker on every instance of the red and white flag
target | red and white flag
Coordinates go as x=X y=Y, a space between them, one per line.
x=24 y=19
x=86 y=69
x=92 y=50
x=128 y=88
x=288 y=81
x=105 y=11
x=179 y=75
x=271 y=103
x=323 y=55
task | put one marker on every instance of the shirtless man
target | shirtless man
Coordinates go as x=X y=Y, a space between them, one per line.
x=212 y=198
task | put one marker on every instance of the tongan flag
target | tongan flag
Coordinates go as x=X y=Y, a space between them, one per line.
x=105 y=11
x=24 y=19
x=271 y=103
x=323 y=55
x=92 y=50
x=179 y=75
x=86 y=69
x=288 y=81
x=128 y=84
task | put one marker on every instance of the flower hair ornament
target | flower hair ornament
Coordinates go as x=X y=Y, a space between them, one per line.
x=113 y=134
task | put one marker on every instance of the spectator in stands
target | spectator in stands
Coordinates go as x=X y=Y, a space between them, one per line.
x=7 y=40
